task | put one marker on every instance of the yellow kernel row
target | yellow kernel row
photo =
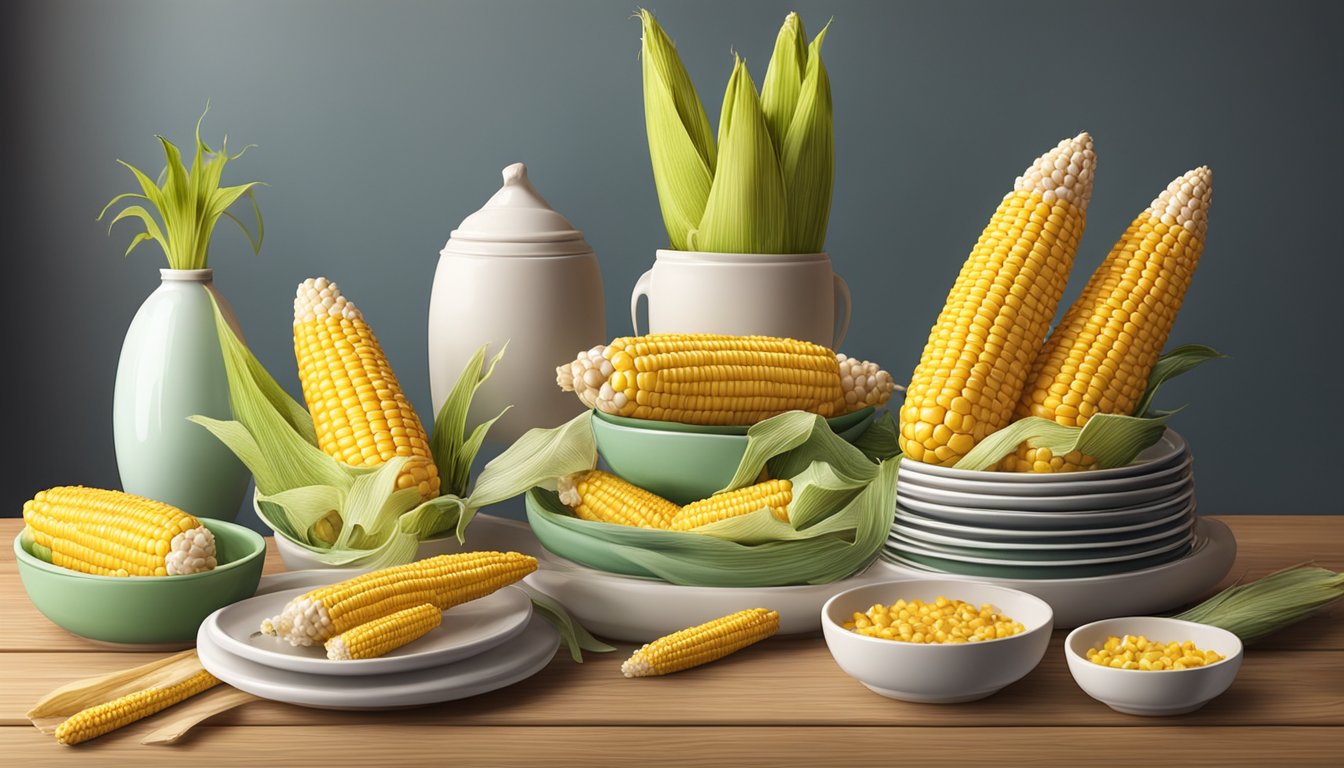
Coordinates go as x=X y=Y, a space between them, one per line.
x=1138 y=652
x=940 y=621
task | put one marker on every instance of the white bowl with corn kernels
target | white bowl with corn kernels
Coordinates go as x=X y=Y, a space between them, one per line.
x=1153 y=692
x=937 y=673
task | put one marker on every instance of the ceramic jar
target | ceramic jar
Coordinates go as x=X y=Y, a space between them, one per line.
x=171 y=368
x=515 y=271
x=791 y=295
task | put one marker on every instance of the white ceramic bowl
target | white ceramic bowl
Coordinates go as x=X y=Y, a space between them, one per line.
x=1144 y=692
x=937 y=674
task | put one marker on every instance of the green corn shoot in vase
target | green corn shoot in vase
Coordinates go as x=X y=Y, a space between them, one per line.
x=189 y=203
x=766 y=186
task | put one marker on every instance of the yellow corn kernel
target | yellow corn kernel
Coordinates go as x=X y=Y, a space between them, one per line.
x=1130 y=652
x=702 y=643
x=775 y=495
x=605 y=498
x=940 y=621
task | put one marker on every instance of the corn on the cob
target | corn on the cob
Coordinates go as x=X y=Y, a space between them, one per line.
x=389 y=633
x=774 y=495
x=605 y=498
x=720 y=380
x=702 y=644
x=104 y=718
x=359 y=412
x=110 y=533
x=1099 y=357
x=975 y=364
x=442 y=581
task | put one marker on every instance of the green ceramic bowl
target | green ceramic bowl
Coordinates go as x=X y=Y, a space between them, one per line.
x=145 y=609
x=685 y=462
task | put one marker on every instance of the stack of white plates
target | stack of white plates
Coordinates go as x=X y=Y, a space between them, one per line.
x=481 y=646
x=1047 y=526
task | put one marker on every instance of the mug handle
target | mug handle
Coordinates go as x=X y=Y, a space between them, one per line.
x=642 y=289
x=841 y=297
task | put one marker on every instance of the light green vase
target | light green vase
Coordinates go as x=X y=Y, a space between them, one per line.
x=171 y=368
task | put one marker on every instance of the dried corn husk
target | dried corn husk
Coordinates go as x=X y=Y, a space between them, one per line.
x=1265 y=606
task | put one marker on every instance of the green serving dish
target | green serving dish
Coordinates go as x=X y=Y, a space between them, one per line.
x=153 y=610
x=686 y=462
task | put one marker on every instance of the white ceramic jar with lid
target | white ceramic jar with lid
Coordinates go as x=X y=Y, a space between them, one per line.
x=515 y=271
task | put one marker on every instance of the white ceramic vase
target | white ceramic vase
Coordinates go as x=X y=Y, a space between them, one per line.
x=171 y=368
x=796 y=296
x=515 y=271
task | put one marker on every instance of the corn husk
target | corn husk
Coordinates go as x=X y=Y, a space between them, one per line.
x=1113 y=439
x=190 y=203
x=1262 y=607
x=784 y=78
x=808 y=157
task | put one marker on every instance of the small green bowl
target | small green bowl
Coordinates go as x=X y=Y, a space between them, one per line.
x=145 y=610
x=685 y=462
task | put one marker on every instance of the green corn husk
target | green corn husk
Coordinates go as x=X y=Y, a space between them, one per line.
x=1113 y=439
x=747 y=209
x=1262 y=607
x=189 y=203
x=784 y=79
x=808 y=157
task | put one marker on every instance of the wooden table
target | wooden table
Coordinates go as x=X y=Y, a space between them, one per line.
x=783 y=702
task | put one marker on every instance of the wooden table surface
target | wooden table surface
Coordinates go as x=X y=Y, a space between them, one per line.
x=782 y=702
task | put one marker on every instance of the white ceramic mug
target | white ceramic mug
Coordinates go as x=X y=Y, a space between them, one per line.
x=790 y=295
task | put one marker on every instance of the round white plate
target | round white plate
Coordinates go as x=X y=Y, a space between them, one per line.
x=991 y=485
x=467 y=630
x=902 y=545
x=1136 y=593
x=1164 y=452
x=971 y=533
x=641 y=610
x=503 y=665
x=1073 y=503
x=1177 y=523
x=1015 y=519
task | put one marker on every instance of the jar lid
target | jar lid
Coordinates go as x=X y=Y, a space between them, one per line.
x=517 y=214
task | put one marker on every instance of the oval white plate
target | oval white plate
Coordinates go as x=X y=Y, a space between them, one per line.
x=985 y=534
x=503 y=665
x=641 y=610
x=1073 y=503
x=467 y=630
x=1136 y=593
x=991 y=484
x=1170 y=526
x=1018 y=520
x=1138 y=553
x=1164 y=452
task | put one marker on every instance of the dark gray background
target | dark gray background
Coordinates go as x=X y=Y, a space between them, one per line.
x=380 y=125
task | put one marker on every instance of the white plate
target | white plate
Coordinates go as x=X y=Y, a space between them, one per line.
x=1171 y=526
x=900 y=544
x=970 y=533
x=1073 y=503
x=503 y=665
x=992 y=485
x=641 y=610
x=1018 y=520
x=1161 y=454
x=1137 y=593
x=467 y=630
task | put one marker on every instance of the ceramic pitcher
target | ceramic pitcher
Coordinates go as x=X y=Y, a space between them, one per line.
x=171 y=368
x=515 y=271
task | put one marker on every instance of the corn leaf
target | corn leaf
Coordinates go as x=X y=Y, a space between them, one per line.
x=879 y=441
x=576 y=638
x=681 y=143
x=373 y=505
x=539 y=457
x=784 y=79
x=746 y=211
x=1262 y=607
x=293 y=512
x=1112 y=438
x=768 y=439
x=808 y=157
x=453 y=455
x=1170 y=365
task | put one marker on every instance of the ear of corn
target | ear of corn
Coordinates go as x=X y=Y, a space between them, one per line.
x=774 y=495
x=110 y=533
x=1099 y=357
x=605 y=498
x=105 y=718
x=443 y=581
x=784 y=79
x=360 y=414
x=975 y=364
x=702 y=644
x=724 y=380
x=377 y=637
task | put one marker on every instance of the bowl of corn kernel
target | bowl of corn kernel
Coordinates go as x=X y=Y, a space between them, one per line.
x=936 y=641
x=1151 y=665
